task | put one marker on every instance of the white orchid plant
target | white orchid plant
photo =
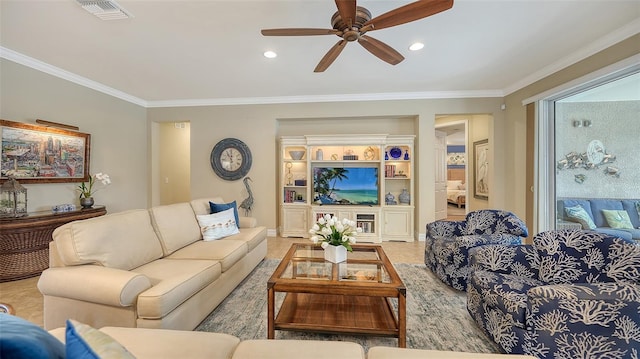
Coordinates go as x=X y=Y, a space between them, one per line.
x=328 y=230
x=87 y=190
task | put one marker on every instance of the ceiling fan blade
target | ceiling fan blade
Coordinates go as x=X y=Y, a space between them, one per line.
x=381 y=50
x=347 y=10
x=298 y=32
x=330 y=56
x=410 y=12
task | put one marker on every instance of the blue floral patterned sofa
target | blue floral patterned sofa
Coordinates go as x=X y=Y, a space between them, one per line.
x=572 y=294
x=448 y=242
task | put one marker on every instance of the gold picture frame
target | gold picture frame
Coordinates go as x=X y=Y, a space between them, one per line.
x=40 y=154
x=481 y=169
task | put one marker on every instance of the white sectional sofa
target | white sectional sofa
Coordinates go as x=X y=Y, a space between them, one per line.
x=145 y=268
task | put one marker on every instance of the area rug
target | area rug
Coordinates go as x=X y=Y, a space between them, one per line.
x=437 y=317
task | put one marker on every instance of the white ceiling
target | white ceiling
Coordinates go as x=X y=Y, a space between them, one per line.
x=210 y=52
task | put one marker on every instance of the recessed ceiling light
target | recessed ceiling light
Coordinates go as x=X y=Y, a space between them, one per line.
x=416 y=46
x=270 y=54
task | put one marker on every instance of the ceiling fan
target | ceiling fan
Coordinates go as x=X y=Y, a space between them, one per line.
x=352 y=22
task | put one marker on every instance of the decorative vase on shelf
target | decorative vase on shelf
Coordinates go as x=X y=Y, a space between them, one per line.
x=404 y=197
x=86 y=202
x=319 y=155
x=386 y=156
x=406 y=155
x=389 y=198
x=335 y=254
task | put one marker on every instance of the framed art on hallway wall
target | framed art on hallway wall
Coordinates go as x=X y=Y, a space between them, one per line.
x=40 y=154
x=481 y=170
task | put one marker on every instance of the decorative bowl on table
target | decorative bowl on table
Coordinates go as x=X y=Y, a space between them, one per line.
x=296 y=155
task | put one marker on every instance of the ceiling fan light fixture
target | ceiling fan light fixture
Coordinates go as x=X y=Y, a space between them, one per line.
x=270 y=54
x=416 y=46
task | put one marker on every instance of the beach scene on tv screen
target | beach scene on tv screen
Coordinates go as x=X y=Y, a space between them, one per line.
x=345 y=185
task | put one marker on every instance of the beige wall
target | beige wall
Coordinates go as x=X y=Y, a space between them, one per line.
x=174 y=153
x=259 y=126
x=118 y=135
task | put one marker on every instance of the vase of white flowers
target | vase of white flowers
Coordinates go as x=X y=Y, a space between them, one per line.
x=335 y=236
x=87 y=189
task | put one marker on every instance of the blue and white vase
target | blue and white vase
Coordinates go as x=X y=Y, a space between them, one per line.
x=404 y=197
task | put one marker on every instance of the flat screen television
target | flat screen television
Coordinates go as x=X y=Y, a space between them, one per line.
x=346 y=185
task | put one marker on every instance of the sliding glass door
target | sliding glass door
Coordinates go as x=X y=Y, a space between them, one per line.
x=597 y=145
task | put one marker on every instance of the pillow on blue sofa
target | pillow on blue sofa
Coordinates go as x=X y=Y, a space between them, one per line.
x=578 y=214
x=617 y=219
x=219 y=207
x=22 y=339
x=85 y=342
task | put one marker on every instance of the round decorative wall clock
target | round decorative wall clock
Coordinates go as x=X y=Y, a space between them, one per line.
x=231 y=159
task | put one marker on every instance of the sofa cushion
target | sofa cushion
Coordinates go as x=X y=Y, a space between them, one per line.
x=202 y=206
x=632 y=206
x=622 y=233
x=123 y=240
x=22 y=339
x=252 y=236
x=167 y=343
x=174 y=281
x=84 y=342
x=175 y=225
x=634 y=233
x=294 y=349
x=597 y=205
x=227 y=252
x=617 y=219
x=171 y=344
x=579 y=214
x=217 y=225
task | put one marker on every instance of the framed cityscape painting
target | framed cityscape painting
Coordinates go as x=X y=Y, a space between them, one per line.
x=39 y=154
x=481 y=171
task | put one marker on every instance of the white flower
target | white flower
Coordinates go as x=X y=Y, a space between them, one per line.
x=329 y=230
x=324 y=245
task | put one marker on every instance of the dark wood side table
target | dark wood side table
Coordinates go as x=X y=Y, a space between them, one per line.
x=24 y=241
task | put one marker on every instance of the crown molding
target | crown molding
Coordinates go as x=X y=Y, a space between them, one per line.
x=35 y=64
x=623 y=33
x=390 y=96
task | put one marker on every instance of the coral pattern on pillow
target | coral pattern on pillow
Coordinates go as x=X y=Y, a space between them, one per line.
x=572 y=294
x=447 y=243
x=218 y=225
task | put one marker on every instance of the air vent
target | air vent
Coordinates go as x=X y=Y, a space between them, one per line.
x=105 y=10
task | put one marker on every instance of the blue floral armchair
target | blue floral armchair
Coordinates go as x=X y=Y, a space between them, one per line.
x=448 y=242
x=572 y=294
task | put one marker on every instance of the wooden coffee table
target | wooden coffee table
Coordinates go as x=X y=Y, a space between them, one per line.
x=353 y=297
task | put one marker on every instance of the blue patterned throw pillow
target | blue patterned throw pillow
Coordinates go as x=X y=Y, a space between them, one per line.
x=219 y=207
x=578 y=214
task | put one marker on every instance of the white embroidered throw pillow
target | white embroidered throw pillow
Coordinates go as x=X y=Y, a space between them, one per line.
x=217 y=225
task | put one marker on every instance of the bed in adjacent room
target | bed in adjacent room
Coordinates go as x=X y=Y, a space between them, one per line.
x=456 y=187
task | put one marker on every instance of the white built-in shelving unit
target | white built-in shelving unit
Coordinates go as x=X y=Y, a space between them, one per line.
x=380 y=220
